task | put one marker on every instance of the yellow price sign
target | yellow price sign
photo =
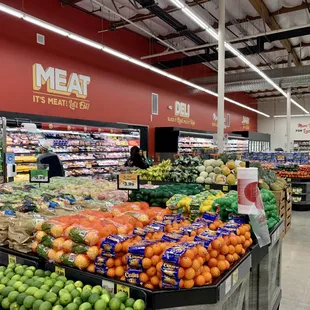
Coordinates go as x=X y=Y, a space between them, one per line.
x=128 y=181
x=123 y=288
x=288 y=180
x=149 y=182
x=225 y=188
x=207 y=186
x=61 y=271
x=12 y=259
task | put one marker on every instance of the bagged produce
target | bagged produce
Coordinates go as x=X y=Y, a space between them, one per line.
x=20 y=234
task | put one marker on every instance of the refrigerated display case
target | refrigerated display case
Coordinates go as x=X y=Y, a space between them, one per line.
x=84 y=151
x=258 y=142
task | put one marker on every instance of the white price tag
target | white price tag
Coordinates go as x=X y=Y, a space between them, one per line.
x=227 y=285
x=108 y=285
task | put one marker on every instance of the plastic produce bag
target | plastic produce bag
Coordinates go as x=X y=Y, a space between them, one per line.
x=258 y=222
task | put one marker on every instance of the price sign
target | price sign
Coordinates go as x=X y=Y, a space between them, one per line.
x=12 y=259
x=149 y=182
x=123 y=288
x=61 y=271
x=39 y=176
x=108 y=285
x=225 y=188
x=128 y=181
x=207 y=186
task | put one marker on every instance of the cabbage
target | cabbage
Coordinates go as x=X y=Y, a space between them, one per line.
x=209 y=169
x=204 y=174
x=208 y=180
x=200 y=180
x=201 y=168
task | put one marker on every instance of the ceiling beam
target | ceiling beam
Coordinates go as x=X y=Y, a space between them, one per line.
x=141 y=17
x=278 y=96
x=268 y=91
x=283 y=10
x=263 y=11
x=69 y=2
x=282 y=62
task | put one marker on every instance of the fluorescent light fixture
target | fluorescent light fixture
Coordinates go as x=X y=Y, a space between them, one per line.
x=118 y=54
x=178 y=3
x=194 y=17
x=244 y=106
x=45 y=25
x=294 y=115
x=139 y=63
x=299 y=106
x=85 y=41
x=115 y=53
x=6 y=9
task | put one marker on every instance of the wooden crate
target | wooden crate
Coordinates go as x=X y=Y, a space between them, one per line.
x=281 y=208
x=288 y=217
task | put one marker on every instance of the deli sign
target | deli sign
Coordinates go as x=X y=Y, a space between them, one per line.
x=58 y=87
x=181 y=114
x=182 y=109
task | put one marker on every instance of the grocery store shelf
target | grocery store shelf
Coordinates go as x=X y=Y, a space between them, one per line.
x=95 y=159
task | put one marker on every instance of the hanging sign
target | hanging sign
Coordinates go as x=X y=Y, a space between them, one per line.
x=128 y=181
x=38 y=176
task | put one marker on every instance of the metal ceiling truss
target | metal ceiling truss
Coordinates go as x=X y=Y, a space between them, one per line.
x=250 y=50
x=283 y=10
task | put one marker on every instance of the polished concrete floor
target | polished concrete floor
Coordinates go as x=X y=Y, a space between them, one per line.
x=296 y=264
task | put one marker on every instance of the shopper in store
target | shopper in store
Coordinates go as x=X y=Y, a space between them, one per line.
x=49 y=158
x=136 y=159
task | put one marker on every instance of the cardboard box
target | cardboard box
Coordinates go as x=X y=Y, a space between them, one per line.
x=288 y=217
x=280 y=195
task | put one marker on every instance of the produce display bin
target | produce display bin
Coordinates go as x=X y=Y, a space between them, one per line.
x=252 y=283
x=8 y=255
x=265 y=276
x=220 y=293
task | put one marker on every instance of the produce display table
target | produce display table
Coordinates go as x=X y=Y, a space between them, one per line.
x=161 y=299
x=252 y=283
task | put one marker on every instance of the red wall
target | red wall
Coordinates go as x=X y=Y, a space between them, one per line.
x=118 y=91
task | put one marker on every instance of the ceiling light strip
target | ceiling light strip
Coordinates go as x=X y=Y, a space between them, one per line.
x=194 y=17
x=6 y=9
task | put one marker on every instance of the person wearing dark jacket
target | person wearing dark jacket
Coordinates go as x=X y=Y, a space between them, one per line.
x=49 y=158
x=136 y=159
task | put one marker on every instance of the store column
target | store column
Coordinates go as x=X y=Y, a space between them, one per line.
x=221 y=78
x=288 y=111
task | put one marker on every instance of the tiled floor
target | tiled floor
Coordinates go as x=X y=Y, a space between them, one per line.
x=296 y=264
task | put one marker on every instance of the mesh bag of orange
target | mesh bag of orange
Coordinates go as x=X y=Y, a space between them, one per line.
x=183 y=266
x=144 y=263
x=112 y=260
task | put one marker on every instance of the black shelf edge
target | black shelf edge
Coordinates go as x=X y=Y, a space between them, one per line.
x=222 y=187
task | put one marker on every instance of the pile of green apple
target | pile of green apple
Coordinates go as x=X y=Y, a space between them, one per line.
x=23 y=287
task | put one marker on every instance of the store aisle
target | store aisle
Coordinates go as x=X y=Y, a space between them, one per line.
x=295 y=264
